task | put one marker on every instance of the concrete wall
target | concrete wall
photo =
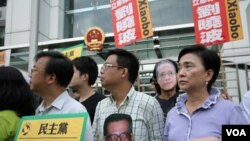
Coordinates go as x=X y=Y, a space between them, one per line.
x=18 y=19
x=51 y=20
x=17 y=27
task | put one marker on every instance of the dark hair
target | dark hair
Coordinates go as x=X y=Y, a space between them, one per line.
x=127 y=60
x=87 y=65
x=209 y=58
x=59 y=65
x=118 y=117
x=169 y=61
x=15 y=93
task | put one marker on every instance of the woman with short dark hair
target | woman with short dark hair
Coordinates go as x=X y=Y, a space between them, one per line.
x=16 y=100
x=200 y=112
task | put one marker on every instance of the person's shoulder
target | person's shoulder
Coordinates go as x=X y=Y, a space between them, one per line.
x=74 y=103
x=228 y=104
x=246 y=99
x=145 y=98
x=8 y=115
x=247 y=94
x=104 y=100
x=103 y=104
x=225 y=101
x=144 y=95
x=99 y=96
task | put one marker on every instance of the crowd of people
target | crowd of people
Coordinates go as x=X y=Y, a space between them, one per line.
x=194 y=114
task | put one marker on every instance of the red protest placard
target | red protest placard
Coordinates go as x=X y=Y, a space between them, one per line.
x=210 y=28
x=131 y=21
x=212 y=21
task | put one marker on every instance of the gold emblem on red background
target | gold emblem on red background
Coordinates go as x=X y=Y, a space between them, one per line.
x=94 y=39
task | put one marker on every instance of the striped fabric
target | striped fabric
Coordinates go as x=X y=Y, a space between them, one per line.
x=145 y=111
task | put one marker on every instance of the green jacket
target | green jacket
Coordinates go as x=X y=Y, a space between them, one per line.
x=8 y=125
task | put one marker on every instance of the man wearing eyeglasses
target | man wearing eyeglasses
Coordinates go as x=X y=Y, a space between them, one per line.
x=118 y=126
x=118 y=74
x=50 y=77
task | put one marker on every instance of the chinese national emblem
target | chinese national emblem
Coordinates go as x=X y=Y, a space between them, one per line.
x=94 y=39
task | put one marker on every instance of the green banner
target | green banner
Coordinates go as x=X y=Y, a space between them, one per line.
x=73 y=52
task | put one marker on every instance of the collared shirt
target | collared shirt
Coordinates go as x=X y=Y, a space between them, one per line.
x=64 y=104
x=206 y=121
x=146 y=113
x=245 y=105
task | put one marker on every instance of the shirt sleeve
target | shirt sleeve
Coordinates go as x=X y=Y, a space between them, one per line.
x=237 y=116
x=165 y=132
x=89 y=132
x=245 y=106
x=95 y=123
x=3 y=132
x=8 y=126
x=157 y=123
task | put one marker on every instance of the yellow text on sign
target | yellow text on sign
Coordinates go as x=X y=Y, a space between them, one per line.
x=64 y=129
x=234 y=20
x=145 y=19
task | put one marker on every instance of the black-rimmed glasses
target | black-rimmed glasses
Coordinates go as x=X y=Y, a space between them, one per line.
x=125 y=136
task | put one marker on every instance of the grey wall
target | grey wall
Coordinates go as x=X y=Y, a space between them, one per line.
x=18 y=18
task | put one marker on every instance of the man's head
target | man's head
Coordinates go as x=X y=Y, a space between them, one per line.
x=118 y=126
x=85 y=72
x=51 y=68
x=119 y=65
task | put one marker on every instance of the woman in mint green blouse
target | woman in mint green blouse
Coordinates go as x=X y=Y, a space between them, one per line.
x=16 y=100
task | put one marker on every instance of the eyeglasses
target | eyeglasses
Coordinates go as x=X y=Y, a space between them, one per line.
x=107 y=66
x=163 y=75
x=123 y=137
x=34 y=70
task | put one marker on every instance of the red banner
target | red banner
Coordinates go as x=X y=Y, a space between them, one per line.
x=209 y=21
x=131 y=21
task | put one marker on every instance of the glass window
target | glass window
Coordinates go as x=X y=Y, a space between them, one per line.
x=82 y=14
x=2 y=32
x=170 y=12
x=3 y=3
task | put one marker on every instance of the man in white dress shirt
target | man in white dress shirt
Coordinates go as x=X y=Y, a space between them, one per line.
x=50 y=77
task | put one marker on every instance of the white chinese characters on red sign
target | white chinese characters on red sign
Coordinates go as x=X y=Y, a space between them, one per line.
x=123 y=15
x=209 y=26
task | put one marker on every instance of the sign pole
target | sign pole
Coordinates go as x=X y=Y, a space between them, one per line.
x=33 y=32
x=222 y=71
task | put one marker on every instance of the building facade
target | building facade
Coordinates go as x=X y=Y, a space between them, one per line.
x=63 y=23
